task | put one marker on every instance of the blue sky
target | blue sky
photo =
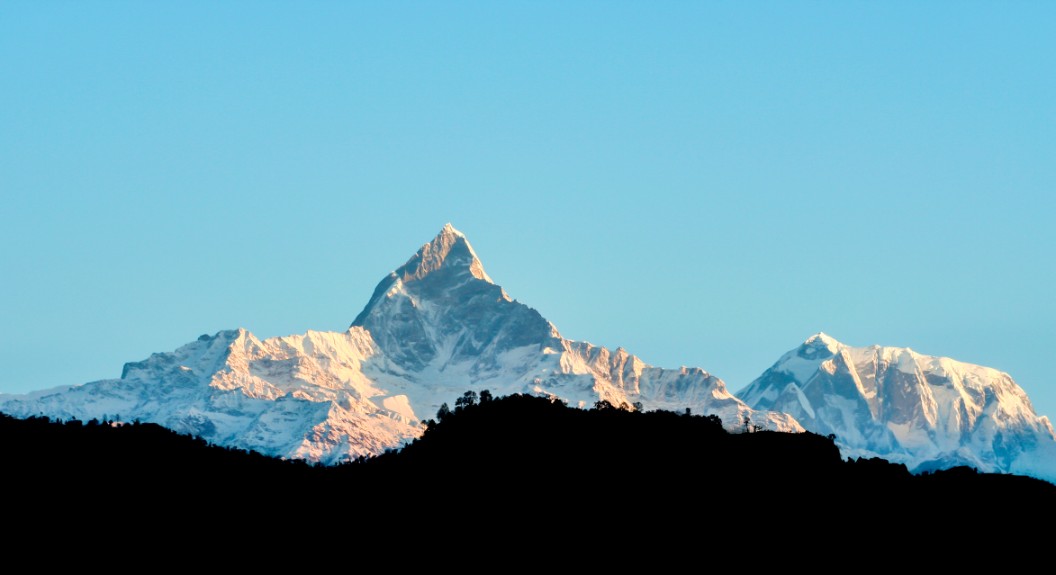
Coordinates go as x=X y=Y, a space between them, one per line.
x=704 y=184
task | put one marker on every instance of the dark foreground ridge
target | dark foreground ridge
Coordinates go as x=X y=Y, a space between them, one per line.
x=506 y=463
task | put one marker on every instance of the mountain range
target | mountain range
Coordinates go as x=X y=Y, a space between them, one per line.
x=438 y=326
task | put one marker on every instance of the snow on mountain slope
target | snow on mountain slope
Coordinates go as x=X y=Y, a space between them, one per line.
x=434 y=328
x=446 y=325
x=302 y=396
x=928 y=412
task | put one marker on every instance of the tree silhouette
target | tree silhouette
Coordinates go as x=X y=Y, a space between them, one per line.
x=603 y=405
x=468 y=399
x=497 y=446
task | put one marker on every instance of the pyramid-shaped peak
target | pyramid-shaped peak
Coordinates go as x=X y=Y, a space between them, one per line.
x=450 y=251
x=819 y=345
x=449 y=230
x=822 y=339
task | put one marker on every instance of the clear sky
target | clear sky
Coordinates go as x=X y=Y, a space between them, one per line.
x=703 y=183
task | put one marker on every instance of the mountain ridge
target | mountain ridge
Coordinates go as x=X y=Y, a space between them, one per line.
x=432 y=328
x=439 y=325
x=922 y=410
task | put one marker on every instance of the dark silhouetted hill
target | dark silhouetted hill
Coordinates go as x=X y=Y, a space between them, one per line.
x=494 y=468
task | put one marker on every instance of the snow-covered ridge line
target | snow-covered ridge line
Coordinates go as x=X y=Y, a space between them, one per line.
x=433 y=328
x=922 y=410
x=438 y=326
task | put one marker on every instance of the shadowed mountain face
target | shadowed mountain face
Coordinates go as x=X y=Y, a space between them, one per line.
x=441 y=305
x=928 y=412
x=434 y=327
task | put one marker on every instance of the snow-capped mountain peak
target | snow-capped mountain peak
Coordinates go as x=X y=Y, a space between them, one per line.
x=434 y=328
x=442 y=306
x=896 y=403
x=449 y=252
x=819 y=344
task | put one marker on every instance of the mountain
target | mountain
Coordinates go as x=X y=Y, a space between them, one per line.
x=434 y=328
x=925 y=411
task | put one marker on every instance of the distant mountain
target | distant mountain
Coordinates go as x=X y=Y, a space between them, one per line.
x=925 y=411
x=434 y=328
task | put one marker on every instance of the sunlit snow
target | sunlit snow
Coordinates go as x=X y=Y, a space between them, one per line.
x=895 y=403
x=434 y=328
